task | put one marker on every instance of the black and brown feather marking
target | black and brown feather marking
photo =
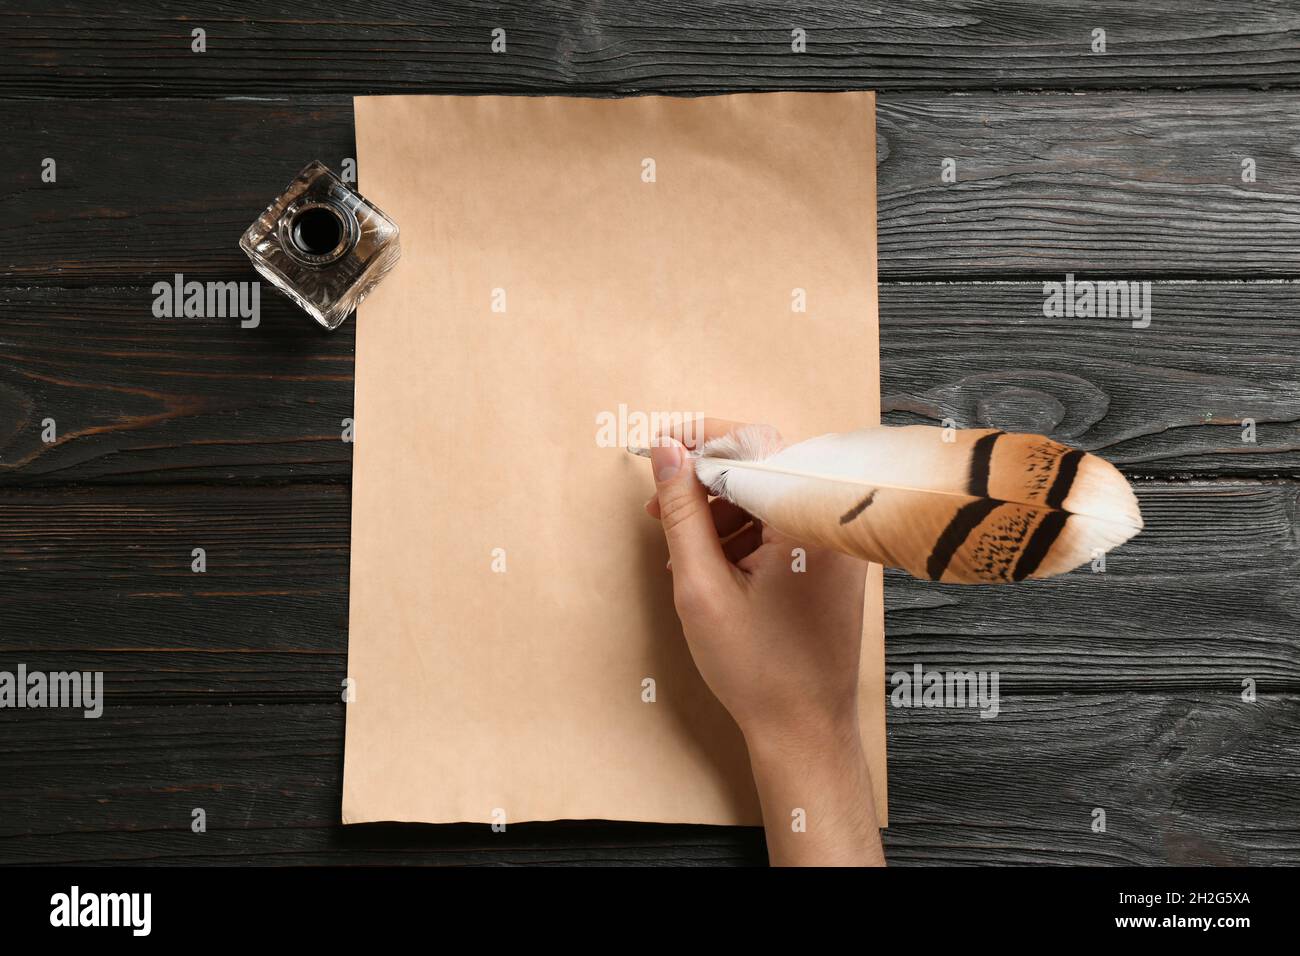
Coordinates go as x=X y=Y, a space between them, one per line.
x=971 y=515
x=967 y=519
x=1040 y=467
x=999 y=543
x=1066 y=472
x=981 y=463
x=1045 y=535
x=1010 y=543
x=857 y=509
x=1049 y=529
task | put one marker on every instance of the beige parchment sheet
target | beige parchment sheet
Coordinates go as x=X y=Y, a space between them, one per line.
x=477 y=429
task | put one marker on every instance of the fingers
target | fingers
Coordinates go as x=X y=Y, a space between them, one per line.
x=687 y=520
x=727 y=518
x=707 y=536
x=697 y=431
x=775 y=551
x=744 y=544
x=740 y=534
x=693 y=434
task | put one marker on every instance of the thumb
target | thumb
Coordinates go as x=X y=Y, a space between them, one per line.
x=684 y=510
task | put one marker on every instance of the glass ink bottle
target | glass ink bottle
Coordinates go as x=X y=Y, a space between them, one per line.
x=323 y=245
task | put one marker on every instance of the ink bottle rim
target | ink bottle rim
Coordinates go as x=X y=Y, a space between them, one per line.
x=292 y=238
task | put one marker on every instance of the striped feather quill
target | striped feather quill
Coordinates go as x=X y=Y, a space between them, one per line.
x=984 y=507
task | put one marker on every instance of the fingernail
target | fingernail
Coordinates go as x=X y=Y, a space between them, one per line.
x=666 y=459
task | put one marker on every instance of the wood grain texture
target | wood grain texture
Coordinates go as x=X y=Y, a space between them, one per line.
x=399 y=46
x=1168 y=399
x=101 y=579
x=140 y=399
x=1102 y=183
x=1120 y=690
x=149 y=189
x=1106 y=184
x=136 y=398
x=1183 y=777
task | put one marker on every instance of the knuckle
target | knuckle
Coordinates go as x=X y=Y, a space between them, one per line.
x=675 y=510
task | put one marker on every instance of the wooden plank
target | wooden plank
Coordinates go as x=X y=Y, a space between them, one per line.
x=101 y=579
x=108 y=579
x=1108 y=184
x=1183 y=777
x=1167 y=399
x=1098 y=184
x=140 y=399
x=138 y=49
x=183 y=183
x=136 y=398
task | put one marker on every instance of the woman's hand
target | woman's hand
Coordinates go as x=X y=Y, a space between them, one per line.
x=775 y=629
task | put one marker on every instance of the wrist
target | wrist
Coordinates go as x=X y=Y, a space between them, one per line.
x=809 y=741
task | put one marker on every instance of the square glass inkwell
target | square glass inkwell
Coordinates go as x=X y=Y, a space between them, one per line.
x=322 y=245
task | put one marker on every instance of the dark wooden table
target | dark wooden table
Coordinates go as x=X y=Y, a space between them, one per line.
x=1120 y=690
